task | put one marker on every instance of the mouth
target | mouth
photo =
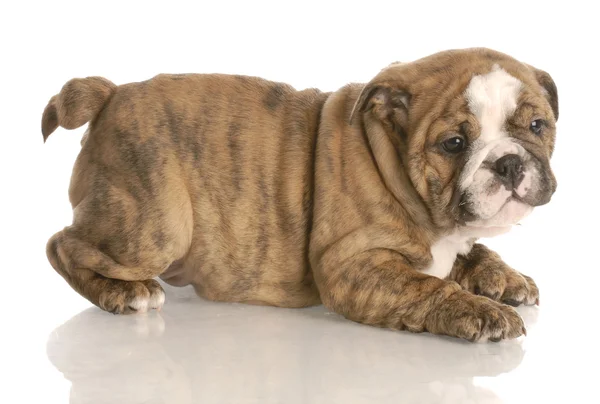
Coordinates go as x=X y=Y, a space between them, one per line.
x=466 y=214
x=500 y=186
x=517 y=198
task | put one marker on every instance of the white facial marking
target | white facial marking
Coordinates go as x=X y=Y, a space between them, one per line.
x=526 y=184
x=492 y=98
x=444 y=252
x=509 y=214
x=487 y=206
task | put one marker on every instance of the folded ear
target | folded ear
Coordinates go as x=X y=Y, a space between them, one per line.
x=386 y=102
x=548 y=85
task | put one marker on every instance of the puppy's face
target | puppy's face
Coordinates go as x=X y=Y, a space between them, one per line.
x=508 y=145
x=475 y=130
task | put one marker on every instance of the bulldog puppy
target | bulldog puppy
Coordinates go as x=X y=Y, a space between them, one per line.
x=369 y=199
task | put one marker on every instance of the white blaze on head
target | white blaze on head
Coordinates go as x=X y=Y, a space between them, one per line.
x=492 y=99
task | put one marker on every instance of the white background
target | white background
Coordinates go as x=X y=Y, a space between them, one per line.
x=307 y=44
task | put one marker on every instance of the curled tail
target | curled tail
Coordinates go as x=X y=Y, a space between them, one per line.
x=79 y=101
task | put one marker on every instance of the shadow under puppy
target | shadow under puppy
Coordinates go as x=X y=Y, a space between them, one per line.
x=369 y=199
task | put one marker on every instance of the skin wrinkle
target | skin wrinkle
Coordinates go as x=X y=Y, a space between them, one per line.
x=252 y=191
x=401 y=207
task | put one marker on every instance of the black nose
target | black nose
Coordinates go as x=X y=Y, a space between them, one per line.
x=510 y=170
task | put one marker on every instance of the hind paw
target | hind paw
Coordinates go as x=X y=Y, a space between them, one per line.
x=123 y=297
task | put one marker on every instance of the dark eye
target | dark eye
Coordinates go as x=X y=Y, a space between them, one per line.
x=454 y=144
x=536 y=126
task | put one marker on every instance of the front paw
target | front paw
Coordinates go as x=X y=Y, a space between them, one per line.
x=503 y=284
x=475 y=318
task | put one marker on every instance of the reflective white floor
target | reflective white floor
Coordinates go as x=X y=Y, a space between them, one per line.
x=201 y=352
x=194 y=351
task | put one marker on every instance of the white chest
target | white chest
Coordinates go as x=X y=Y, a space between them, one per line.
x=444 y=252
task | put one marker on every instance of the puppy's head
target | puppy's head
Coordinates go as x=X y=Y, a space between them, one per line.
x=474 y=129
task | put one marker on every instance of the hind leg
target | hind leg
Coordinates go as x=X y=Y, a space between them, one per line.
x=78 y=262
x=132 y=214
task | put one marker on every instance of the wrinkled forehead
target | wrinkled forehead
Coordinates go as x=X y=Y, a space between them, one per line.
x=492 y=98
x=478 y=85
x=462 y=85
x=485 y=97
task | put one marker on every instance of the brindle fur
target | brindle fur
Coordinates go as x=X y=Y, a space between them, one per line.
x=483 y=272
x=254 y=192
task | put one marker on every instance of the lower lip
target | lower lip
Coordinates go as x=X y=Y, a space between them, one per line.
x=466 y=216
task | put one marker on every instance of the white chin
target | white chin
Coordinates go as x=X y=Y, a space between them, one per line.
x=510 y=214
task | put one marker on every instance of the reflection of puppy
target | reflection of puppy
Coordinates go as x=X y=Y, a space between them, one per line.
x=258 y=354
x=254 y=192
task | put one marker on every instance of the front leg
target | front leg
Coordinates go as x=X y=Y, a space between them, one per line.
x=379 y=287
x=483 y=272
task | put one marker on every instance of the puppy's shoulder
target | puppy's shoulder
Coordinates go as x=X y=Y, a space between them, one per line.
x=340 y=103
